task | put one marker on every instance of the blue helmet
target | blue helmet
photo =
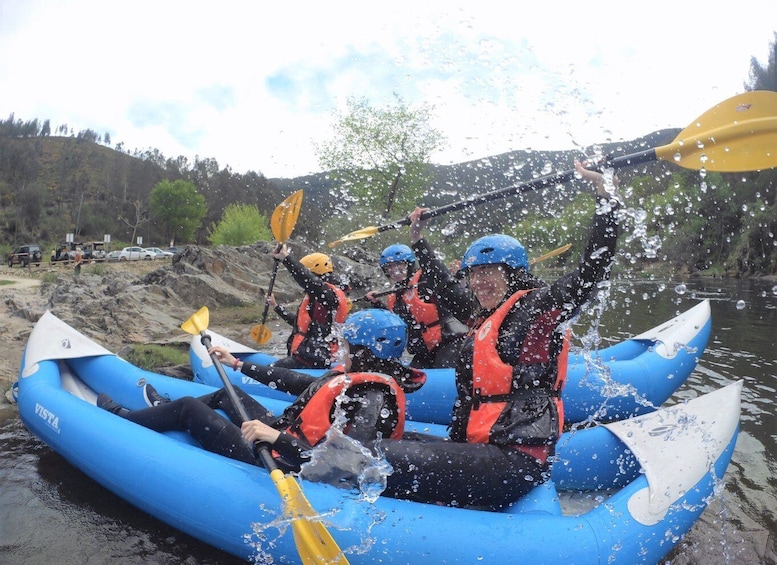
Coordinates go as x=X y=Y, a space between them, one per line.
x=381 y=331
x=495 y=250
x=395 y=253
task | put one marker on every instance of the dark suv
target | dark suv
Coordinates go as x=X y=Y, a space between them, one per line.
x=24 y=255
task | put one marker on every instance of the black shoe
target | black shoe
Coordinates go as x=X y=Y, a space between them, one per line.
x=152 y=397
x=106 y=403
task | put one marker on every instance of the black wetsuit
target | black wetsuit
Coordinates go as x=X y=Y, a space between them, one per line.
x=365 y=411
x=493 y=475
x=314 y=352
x=446 y=353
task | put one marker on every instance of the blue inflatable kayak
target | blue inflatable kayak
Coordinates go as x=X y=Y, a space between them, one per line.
x=658 y=472
x=629 y=378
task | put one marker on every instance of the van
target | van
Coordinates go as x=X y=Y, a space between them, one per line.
x=25 y=255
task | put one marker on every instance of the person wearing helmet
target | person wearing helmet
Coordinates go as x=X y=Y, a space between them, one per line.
x=368 y=389
x=508 y=413
x=311 y=344
x=434 y=333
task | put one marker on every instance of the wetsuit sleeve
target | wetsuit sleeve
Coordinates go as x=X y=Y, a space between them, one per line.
x=279 y=378
x=310 y=283
x=294 y=450
x=573 y=290
x=540 y=312
x=447 y=291
x=285 y=315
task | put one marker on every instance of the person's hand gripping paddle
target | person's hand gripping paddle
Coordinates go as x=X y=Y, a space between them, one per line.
x=314 y=542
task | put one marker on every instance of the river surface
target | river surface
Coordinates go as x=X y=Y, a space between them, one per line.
x=52 y=513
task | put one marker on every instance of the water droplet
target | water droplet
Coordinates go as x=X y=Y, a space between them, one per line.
x=680 y=289
x=741 y=305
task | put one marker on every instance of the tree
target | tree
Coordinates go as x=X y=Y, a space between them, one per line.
x=764 y=78
x=178 y=207
x=241 y=224
x=141 y=217
x=381 y=155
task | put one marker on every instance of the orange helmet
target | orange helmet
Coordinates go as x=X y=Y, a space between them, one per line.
x=317 y=263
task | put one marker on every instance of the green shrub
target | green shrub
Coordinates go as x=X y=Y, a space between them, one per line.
x=152 y=357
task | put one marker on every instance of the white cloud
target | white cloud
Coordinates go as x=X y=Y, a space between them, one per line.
x=253 y=85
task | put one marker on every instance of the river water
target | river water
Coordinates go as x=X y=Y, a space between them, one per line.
x=52 y=513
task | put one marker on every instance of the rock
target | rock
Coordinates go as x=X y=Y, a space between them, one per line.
x=117 y=305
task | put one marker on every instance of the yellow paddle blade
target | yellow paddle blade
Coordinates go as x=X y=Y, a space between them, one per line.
x=261 y=334
x=363 y=233
x=737 y=135
x=314 y=542
x=554 y=253
x=284 y=217
x=198 y=322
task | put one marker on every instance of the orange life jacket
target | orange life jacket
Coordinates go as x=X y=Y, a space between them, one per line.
x=312 y=414
x=424 y=313
x=496 y=392
x=324 y=318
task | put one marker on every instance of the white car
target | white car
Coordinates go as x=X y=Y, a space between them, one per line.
x=135 y=254
x=159 y=254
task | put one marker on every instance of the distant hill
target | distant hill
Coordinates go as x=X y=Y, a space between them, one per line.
x=452 y=183
x=51 y=186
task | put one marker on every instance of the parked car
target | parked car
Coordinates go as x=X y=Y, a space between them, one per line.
x=96 y=250
x=25 y=255
x=174 y=250
x=64 y=252
x=159 y=254
x=113 y=256
x=135 y=254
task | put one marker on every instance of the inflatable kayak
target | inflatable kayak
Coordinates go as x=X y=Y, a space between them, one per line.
x=629 y=378
x=660 y=470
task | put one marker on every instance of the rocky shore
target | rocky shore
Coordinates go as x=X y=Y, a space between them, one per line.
x=119 y=304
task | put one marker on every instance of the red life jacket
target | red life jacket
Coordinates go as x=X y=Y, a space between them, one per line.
x=312 y=414
x=424 y=313
x=309 y=314
x=496 y=392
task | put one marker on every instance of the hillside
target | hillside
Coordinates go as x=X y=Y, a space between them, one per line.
x=51 y=186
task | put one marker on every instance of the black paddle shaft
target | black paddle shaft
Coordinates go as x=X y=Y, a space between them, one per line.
x=534 y=184
x=269 y=290
x=261 y=447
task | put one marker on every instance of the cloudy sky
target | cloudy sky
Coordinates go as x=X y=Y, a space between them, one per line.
x=255 y=84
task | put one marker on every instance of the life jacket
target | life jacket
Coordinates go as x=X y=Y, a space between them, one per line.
x=424 y=313
x=312 y=414
x=504 y=412
x=311 y=314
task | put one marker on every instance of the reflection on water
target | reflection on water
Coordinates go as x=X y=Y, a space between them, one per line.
x=53 y=513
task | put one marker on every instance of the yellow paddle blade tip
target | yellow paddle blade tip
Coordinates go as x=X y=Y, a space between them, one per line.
x=315 y=544
x=197 y=322
x=284 y=218
x=363 y=233
x=261 y=334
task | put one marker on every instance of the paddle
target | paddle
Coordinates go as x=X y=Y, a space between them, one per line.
x=737 y=135
x=550 y=254
x=386 y=292
x=282 y=223
x=314 y=542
